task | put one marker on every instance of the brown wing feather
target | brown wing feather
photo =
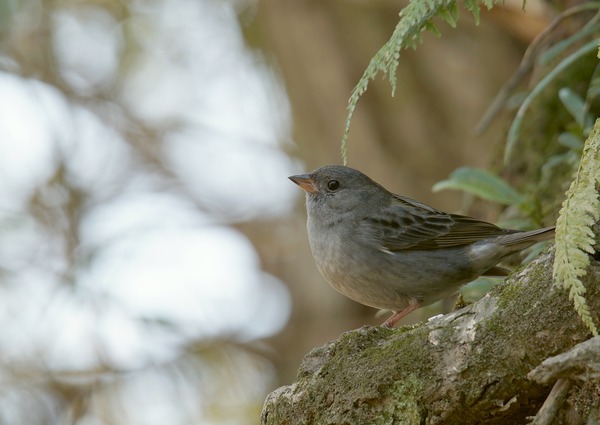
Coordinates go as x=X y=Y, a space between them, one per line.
x=466 y=230
x=408 y=224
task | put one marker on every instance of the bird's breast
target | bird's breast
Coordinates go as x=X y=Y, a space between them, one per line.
x=349 y=266
x=332 y=247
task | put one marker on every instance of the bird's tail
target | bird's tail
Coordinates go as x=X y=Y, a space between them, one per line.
x=528 y=238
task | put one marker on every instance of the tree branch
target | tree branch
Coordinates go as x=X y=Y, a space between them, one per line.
x=467 y=367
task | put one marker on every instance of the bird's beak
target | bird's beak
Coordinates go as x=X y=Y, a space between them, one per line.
x=305 y=182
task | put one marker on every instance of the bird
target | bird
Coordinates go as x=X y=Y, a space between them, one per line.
x=393 y=253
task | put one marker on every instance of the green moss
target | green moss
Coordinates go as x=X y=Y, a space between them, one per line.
x=379 y=385
x=405 y=409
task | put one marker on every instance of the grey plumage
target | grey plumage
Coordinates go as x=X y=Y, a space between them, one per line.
x=391 y=252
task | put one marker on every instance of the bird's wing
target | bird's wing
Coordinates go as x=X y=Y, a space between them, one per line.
x=408 y=224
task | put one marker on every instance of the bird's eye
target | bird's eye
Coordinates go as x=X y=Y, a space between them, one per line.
x=333 y=185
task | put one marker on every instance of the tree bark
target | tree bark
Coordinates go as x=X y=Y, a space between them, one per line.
x=467 y=367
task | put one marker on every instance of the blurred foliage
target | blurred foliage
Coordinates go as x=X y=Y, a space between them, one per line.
x=560 y=68
x=546 y=138
x=198 y=377
x=483 y=184
x=489 y=186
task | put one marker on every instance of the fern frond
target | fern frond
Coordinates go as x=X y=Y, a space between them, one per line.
x=574 y=236
x=415 y=18
x=473 y=7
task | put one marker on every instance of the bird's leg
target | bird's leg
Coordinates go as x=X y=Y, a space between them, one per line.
x=394 y=318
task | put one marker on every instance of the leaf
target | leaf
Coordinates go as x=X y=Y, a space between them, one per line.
x=483 y=184
x=574 y=104
x=450 y=14
x=430 y=26
x=589 y=28
x=478 y=288
x=571 y=141
x=594 y=87
x=473 y=7
x=534 y=251
x=518 y=223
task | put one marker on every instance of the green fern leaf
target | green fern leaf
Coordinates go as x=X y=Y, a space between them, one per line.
x=449 y=14
x=574 y=236
x=490 y=3
x=415 y=18
x=430 y=26
x=473 y=7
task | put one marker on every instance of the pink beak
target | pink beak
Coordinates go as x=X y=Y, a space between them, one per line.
x=305 y=182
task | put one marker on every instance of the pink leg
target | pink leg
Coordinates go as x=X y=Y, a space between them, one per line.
x=394 y=318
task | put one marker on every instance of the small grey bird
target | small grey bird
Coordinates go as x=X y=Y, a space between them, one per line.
x=391 y=252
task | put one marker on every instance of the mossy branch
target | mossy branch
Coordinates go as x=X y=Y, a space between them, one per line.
x=451 y=370
x=415 y=18
x=574 y=236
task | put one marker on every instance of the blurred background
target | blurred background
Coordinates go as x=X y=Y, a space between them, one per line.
x=154 y=264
